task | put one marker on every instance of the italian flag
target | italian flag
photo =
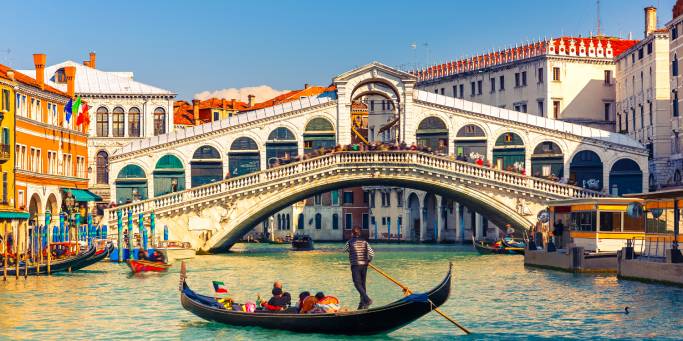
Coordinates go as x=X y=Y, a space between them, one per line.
x=219 y=287
x=83 y=114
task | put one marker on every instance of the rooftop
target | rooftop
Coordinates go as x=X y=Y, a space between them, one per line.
x=28 y=80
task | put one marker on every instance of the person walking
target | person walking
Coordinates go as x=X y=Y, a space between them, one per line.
x=558 y=232
x=360 y=255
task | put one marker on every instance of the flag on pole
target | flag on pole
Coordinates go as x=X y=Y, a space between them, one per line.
x=67 y=109
x=76 y=106
x=219 y=287
x=82 y=113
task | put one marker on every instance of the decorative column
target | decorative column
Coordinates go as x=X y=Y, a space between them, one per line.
x=458 y=224
x=478 y=228
x=423 y=223
x=438 y=234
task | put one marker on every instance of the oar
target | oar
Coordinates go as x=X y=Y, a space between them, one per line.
x=407 y=291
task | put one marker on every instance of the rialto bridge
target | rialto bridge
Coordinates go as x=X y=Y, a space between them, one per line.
x=182 y=174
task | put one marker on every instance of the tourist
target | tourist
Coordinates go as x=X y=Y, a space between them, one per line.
x=509 y=231
x=558 y=231
x=278 y=284
x=360 y=255
x=306 y=302
x=325 y=304
x=277 y=302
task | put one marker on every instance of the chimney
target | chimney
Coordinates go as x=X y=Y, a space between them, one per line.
x=650 y=20
x=70 y=73
x=92 y=61
x=195 y=111
x=39 y=61
x=251 y=100
x=232 y=104
x=10 y=75
x=306 y=86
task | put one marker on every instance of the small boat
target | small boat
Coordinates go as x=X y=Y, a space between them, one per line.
x=491 y=248
x=59 y=265
x=138 y=266
x=102 y=251
x=174 y=250
x=302 y=243
x=513 y=243
x=382 y=319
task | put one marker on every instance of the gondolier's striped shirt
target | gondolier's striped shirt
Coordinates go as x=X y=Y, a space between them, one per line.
x=360 y=252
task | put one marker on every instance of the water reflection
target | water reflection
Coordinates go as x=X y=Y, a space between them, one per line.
x=495 y=296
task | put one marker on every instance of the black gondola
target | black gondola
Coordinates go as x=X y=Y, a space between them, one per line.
x=360 y=322
x=486 y=248
x=55 y=266
x=96 y=257
x=302 y=243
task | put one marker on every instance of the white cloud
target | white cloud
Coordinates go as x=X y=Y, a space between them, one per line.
x=262 y=93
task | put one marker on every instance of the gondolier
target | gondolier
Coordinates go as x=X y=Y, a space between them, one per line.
x=360 y=255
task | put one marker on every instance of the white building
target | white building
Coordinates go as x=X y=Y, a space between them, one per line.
x=568 y=78
x=643 y=98
x=675 y=27
x=122 y=110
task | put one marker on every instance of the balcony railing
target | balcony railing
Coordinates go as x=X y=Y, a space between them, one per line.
x=4 y=152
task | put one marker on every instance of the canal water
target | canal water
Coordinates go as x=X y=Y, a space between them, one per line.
x=495 y=296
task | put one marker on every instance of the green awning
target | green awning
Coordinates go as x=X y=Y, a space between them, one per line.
x=13 y=215
x=83 y=194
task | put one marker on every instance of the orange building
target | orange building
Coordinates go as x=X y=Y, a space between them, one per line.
x=50 y=152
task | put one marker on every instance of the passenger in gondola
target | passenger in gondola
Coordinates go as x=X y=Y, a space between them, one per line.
x=156 y=256
x=276 y=303
x=325 y=304
x=306 y=302
x=142 y=254
x=288 y=297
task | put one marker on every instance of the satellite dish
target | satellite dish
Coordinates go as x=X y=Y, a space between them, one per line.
x=634 y=209
x=543 y=216
x=657 y=212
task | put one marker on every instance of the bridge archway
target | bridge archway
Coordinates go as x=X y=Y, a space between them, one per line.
x=34 y=208
x=206 y=166
x=244 y=157
x=168 y=175
x=547 y=161
x=414 y=216
x=281 y=147
x=585 y=170
x=471 y=142
x=319 y=133
x=430 y=211
x=432 y=132
x=625 y=177
x=131 y=184
x=52 y=206
x=509 y=152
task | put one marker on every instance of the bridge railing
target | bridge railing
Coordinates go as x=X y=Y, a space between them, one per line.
x=343 y=159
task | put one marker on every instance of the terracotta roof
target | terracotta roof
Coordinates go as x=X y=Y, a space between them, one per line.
x=182 y=113
x=293 y=95
x=22 y=78
x=221 y=103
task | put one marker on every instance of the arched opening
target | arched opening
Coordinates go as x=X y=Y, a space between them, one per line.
x=281 y=147
x=118 y=125
x=319 y=133
x=585 y=170
x=625 y=177
x=414 y=216
x=375 y=112
x=547 y=161
x=433 y=133
x=509 y=152
x=169 y=175
x=470 y=143
x=102 y=122
x=34 y=209
x=430 y=212
x=134 y=122
x=206 y=166
x=159 y=121
x=52 y=207
x=243 y=157
x=318 y=221
x=131 y=184
x=102 y=165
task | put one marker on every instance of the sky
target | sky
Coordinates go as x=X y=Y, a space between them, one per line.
x=204 y=48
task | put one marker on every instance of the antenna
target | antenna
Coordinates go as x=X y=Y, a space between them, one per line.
x=597 y=9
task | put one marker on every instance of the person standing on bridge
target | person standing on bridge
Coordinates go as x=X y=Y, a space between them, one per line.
x=360 y=255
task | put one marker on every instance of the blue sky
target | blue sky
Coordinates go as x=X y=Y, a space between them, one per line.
x=194 y=46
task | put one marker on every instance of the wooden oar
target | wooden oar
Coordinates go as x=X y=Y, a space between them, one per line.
x=407 y=291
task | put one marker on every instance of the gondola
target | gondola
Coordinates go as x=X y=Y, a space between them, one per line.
x=302 y=243
x=137 y=266
x=513 y=243
x=60 y=265
x=360 y=322
x=99 y=255
x=488 y=248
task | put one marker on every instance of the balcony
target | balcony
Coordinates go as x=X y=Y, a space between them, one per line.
x=4 y=153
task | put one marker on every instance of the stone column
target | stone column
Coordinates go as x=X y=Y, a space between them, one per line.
x=458 y=225
x=439 y=219
x=478 y=226
x=423 y=220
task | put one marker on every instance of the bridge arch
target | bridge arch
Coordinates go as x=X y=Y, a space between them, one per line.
x=509 y=151
x=586 y=169
x=131 y=184
x=471 y=140
x=375 y=90
x=168 y=175
x=625 y=176
x=244 y=156
x=282 y=146
x=319 y=133
x=414 y=216
x=547 y=160
x=206 y=166
x=433 y=132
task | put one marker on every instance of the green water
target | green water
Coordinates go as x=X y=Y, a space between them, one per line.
x=494 y=296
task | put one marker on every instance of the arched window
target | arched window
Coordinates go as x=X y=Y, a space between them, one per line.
x=134 y=122
x=118 y=122
x=206 y=166
x=281 y=147
x=102 y=122
x=319 y=133
x=318 y=221
x=102 y=165
x=585 y=170
x=300 y=222
x=335 y=221
x=625 y=177
x=470 y=143
x=159 y=121
x=433 y=133
x=131 y=184
x=243 y=157
x=674 y=66
x=169 y=175
x=509 y=152
x=547 y=161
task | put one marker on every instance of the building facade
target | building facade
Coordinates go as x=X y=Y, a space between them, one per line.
x=675 y=28
x=568 y=78
x=122 y=110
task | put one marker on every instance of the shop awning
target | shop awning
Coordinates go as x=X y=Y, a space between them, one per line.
x=14 y=215
x=83 y=194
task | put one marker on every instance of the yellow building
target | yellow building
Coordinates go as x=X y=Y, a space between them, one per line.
x=11 y=220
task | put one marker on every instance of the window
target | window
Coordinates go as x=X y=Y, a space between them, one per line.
x=80 y=167
x=134 y=122
x=674 y=66
x=472 y=88
x=674 y=32
x=675 y=104
x=301 y=222
x=443 y=92
x=556 y=74
x=608 y=110
x=384 y=220
x=216 y=116
x=36 y=161
x=501 y=83
x=633 y=58
x=619 y=123
x=455 y=91
x=159 y=121
x=20 y=155
x=20 y=198
x=335 y=197
x=650 y=111
x=436 y=91
x=642 y=117
x=366 y=221
x=521 y=107
x=102 y=165
x=5 y=99
x=556 y=109
x=51 y=162
x=608 y=77
x=649 y=48
x=625 y=122
x=523 y=78
x=118 y=125
x=633 y=116
x=102 y=118
x=348 y=221
x=348 y=198
x=479 y=87
x=540 y=75
x=399 y=198
x=318 y=199
x=462 y=90
x=517 y=80
x=36 y=110
x=540 y=108
x=4 y=187
x=492 y=82
x=318 y=221
x=335 y=221
x=640 y=53
x=67 y=165
x=386 y=199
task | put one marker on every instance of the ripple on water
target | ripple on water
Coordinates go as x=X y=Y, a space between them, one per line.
x=495 y=296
